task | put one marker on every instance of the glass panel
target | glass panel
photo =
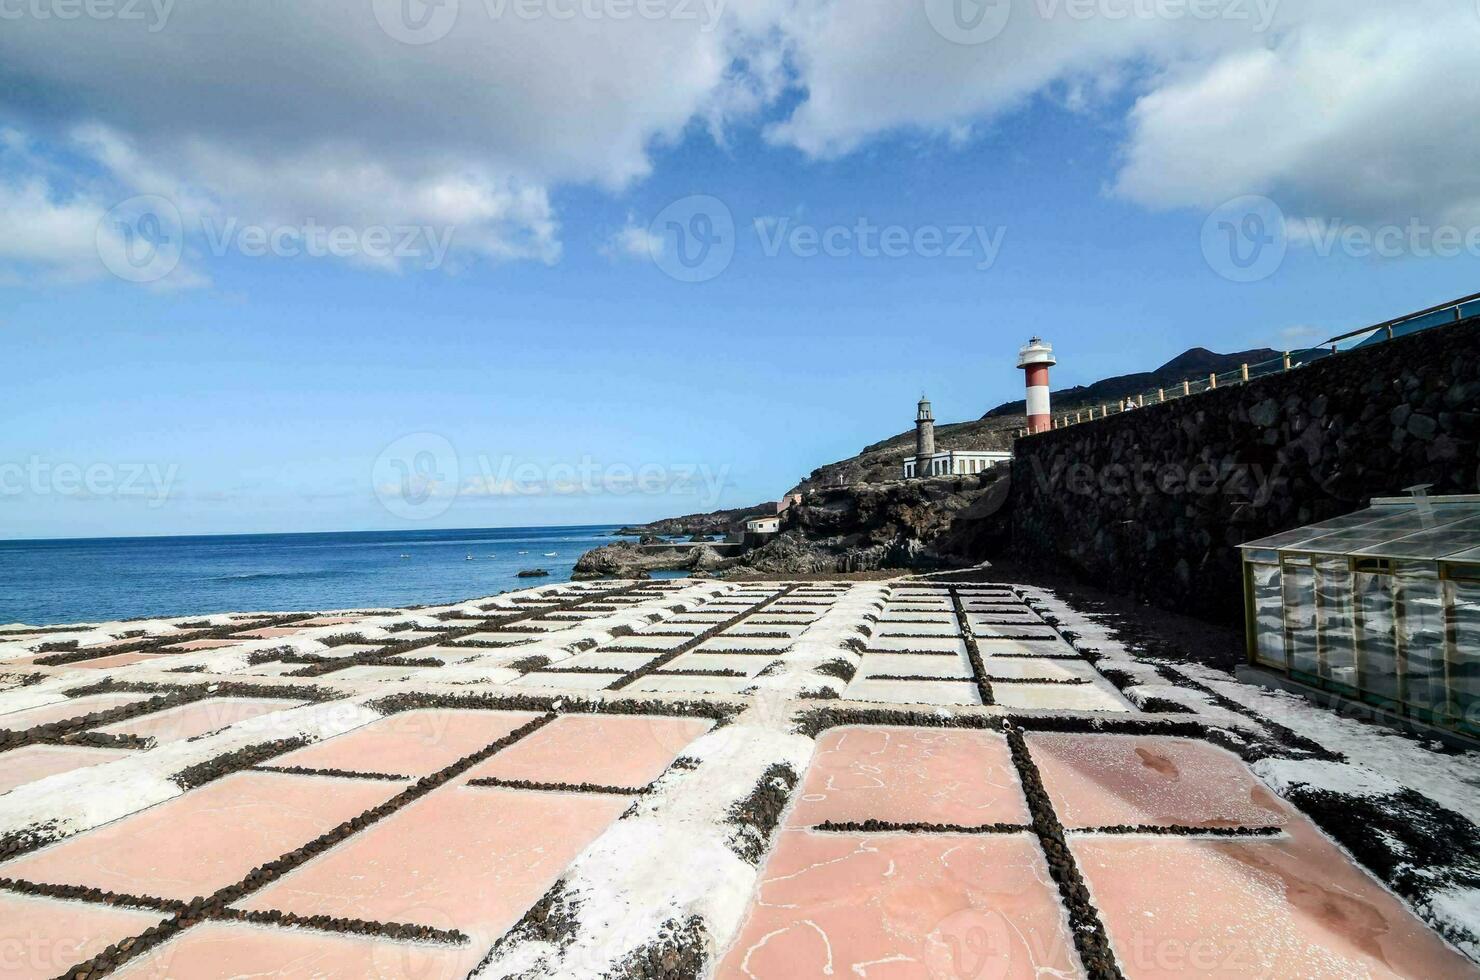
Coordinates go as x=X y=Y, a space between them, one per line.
x=1438 y=318
x=1334 y=621
x=1300 y=616
x=1269 y=621
x=1375 y=637
x=1289 y=539
x=1421 y=634
x=1464 y=665
x=1366 y=538
x=1436 y=543
x=1265 y=557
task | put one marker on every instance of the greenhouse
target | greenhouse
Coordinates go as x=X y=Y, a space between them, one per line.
x=1382 y=605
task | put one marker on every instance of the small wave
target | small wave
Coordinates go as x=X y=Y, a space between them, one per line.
x=263 y=576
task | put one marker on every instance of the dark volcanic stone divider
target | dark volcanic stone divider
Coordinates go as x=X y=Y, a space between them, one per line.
x=224 y=765
x=1184 y=831
x=973 y=652
x=679 y=954
x=1084 y=919
x=97 y=896
x=334 y=773
x=760 y=812
x=1326 y=438
x=887 y=827
x=355 y=927
x=526 y=784
x=565 y=703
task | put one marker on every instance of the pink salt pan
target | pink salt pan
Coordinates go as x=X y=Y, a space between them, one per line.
x=44 y=937
x=205 y=840
x=67 y=709
x=26 y=765
x=605 y=750
x=413 y=743
x=1287 y=907
x=911 y=775
x=903 y=906
x=118 y=660
x=220 y=949
x=196 y=718
x=1112 y=780
x=466 y=858
x=269 y=632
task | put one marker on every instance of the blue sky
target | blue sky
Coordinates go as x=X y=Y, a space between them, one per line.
x=548 y=371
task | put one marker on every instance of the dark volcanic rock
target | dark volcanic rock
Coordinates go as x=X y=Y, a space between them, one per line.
x=719 y=522
x=533 y=573
x=627 y=560
x=915 y=524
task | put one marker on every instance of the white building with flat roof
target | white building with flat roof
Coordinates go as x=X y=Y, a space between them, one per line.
x=953 y=462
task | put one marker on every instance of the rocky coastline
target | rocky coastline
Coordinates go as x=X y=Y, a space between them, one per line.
x=719 y=522
x=928 y=524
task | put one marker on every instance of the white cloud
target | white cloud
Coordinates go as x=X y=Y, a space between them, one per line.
x=1364 y=114
x=634 y=241
x=282 y=113
x=285 y=112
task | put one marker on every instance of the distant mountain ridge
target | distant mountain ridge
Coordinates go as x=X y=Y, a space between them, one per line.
x=1191 y=365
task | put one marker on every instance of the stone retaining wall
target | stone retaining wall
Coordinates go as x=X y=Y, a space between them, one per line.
x=1154 y=502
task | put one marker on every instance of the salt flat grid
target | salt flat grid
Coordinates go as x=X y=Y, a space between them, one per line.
x=911 y=772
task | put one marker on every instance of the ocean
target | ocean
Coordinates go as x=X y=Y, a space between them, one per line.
x=79 y=580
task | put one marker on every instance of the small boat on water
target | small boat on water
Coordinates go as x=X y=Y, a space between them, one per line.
x=405 y=556
x=469 y=558
x=524 y=552
x=552 y=554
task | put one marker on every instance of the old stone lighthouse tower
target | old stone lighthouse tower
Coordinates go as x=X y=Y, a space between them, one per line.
x=950 y=462
x=924 y=430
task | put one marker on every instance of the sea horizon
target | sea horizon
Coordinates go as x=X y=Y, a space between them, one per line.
x=52 y=581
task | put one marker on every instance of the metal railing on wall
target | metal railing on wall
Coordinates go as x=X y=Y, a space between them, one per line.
x=1380 y=333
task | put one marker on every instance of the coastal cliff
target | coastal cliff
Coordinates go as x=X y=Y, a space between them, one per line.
x=718 y=522
x=940 y=522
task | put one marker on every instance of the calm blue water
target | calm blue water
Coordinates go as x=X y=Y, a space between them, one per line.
x=47 y=582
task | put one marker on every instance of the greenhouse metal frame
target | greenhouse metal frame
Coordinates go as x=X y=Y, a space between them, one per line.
x=1381 y=606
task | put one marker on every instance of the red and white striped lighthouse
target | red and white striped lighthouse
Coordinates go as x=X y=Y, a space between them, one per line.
x=1035 y=359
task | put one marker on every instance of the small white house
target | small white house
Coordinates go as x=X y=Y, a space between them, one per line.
x=763 y=525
